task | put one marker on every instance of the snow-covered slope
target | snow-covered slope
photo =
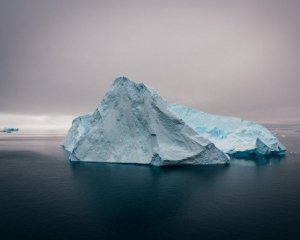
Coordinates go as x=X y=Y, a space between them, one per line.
x=133 y=124
x=237 y=137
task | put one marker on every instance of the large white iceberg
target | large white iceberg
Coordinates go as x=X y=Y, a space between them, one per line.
x=133 y=124
x=234 y=136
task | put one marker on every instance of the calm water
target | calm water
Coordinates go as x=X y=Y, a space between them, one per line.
x=44 y=196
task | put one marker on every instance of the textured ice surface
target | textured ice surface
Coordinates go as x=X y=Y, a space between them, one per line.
x=133 y=124
x=237 y=137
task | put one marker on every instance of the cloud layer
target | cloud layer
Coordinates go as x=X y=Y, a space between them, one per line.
x=227 y=57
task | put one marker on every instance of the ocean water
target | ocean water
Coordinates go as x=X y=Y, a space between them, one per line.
x=44 y=196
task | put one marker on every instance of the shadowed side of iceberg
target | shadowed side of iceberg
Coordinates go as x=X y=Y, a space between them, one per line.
x=133 y=124
x=234 y=136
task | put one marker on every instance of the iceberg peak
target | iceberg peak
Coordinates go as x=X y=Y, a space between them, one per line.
x=124 y=84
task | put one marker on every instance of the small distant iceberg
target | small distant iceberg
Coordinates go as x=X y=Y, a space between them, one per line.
x=9 y=129
x=234 y=136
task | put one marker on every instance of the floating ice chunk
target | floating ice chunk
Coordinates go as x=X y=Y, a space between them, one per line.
x=9 y=129
x=234 y=136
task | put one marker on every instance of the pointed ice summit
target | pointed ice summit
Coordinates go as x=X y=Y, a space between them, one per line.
x=133 y=124
x=234 y=136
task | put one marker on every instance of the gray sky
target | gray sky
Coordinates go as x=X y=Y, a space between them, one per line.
x=240 y=58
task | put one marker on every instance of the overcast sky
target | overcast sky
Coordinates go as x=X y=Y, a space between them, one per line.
x=241 y=58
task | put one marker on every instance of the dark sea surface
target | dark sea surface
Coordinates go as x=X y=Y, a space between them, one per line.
x=44 y=196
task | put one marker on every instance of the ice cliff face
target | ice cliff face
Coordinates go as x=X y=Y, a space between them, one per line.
x=133 y=124
x=234 y=136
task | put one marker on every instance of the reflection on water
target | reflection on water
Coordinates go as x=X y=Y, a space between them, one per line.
x=44 y=196
x=258 y=161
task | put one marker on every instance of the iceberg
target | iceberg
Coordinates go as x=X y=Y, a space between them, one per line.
x=234 y=136
x=9 y=129
x=134 y=124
